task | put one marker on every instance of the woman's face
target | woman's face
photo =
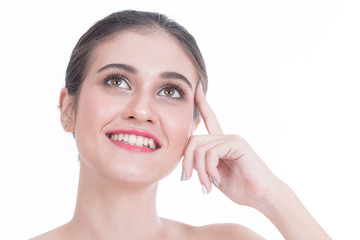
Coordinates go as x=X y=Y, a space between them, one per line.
x=135 y=108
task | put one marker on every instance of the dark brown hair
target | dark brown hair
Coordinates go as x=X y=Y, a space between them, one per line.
x=117 y=22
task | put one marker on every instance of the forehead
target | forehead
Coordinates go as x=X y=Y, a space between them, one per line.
x=150 y=53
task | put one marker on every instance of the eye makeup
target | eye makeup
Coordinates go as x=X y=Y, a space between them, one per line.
x=180 y=90
x=172 y=88
x=117 y=80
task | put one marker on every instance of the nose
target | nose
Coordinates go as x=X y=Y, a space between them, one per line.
x=140 y=108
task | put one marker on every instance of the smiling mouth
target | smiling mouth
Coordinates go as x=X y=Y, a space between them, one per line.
x=134 y=140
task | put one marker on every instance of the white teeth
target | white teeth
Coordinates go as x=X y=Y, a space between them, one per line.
x=132 y=139
x=151 y=144
x=120 y=137
x=146 y=141
x=139 y=141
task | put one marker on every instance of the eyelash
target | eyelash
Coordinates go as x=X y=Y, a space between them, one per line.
x=177 y=86
x=118 y=76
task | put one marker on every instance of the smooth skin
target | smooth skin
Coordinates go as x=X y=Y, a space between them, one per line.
x=117 y=188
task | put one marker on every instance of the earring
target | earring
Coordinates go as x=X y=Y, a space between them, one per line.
x=65 y=126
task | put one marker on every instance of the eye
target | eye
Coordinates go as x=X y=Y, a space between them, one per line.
x=117 y=81
x=171 y=92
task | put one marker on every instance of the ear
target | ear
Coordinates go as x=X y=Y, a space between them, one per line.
x=67 y=113
x=195 y=125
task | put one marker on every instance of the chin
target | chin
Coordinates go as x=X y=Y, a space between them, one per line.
x=137 y=170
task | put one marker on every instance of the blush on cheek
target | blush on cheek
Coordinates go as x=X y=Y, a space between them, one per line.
x=181 y=126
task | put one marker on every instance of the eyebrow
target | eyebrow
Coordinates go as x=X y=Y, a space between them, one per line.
x=133 y=70
x=125 y=67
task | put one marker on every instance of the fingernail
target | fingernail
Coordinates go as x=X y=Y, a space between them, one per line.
x=204 y=191
x=216 y=184
x=183 y=175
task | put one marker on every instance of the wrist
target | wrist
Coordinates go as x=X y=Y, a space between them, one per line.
x=283 y=208
x=278 y=194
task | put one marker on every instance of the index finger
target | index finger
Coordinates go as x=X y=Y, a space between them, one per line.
x=211 y=123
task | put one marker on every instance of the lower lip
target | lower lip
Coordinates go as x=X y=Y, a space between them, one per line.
x=132 y=147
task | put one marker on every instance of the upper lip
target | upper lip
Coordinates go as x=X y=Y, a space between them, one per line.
x=137 y=133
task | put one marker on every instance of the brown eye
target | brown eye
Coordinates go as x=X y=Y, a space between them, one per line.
x=169 y=91
x=118 y=82
x=115 y=82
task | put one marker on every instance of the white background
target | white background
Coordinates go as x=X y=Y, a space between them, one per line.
x=283 y=74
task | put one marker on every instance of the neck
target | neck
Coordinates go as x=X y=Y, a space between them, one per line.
x=107 y=209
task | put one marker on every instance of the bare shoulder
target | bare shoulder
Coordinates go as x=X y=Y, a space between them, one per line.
x=227 y=231
x=57 y=233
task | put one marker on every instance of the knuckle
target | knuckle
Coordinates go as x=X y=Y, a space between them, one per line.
x=210 y=168
x=200 y=151
x=199 y=161
x=212 y=153
x=212 y=160
x=188 y=156
x=187 y=163
x=192 y=141
x=237 y=139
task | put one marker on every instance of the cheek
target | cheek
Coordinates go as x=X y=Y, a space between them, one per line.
x=178 y=125
x=94 y=111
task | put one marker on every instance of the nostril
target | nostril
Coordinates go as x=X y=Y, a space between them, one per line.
x=140 y=116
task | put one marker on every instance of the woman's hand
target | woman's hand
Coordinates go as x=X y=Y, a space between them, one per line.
x=232 y=165
x=227 y=161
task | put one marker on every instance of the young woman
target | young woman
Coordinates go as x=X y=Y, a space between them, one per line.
x=135 y=90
